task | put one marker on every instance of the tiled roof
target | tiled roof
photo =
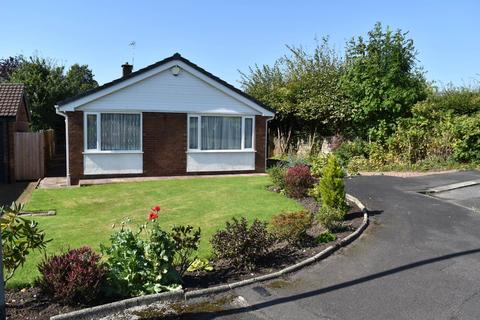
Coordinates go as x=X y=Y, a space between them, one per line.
x=11 y=96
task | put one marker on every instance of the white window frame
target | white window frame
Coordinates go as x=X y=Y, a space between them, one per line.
x=199 y=134
x=99 y=131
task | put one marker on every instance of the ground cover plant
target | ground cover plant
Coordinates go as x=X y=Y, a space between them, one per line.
x=85 y=215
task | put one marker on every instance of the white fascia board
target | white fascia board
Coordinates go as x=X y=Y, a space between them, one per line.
x=71 y=106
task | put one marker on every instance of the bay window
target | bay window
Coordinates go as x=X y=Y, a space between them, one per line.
x=211 y=133
x=113 y=132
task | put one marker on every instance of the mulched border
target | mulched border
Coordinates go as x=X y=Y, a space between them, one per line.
x=30 y=304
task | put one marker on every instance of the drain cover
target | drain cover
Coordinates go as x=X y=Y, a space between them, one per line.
x=262 y=291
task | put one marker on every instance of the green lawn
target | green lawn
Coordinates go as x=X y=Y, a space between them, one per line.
x=85 y=215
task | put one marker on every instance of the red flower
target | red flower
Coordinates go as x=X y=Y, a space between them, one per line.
x=152 y=216
x=156 y=208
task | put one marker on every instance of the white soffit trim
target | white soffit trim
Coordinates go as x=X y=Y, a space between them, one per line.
x=71 y=106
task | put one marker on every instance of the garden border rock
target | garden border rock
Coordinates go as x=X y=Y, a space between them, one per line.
x=107 y=309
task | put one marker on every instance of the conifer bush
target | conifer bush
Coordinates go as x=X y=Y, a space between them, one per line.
x=332 y=195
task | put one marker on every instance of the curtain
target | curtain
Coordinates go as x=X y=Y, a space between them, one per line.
x=193 y=133
x=91 y=131
x=248 y=132
x=221 y=133
x=120 y=131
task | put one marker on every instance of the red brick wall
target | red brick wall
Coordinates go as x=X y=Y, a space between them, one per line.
x=75 y=145
x=164 y=144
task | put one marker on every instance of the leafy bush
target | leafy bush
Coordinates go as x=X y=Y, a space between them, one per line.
x=294 y=160
x=356 y=164
x=240 y=244
x=467 y=131
x=277 y=175
x=141 y=262
x=19 y=237
x=350 y=149
x=186 y=241
x=74 y=277
x=292 y=226
x=317 y=164
x=331 y=185
x=326 y=237
x=200 y=265
x=298 y=180
x=331 y=218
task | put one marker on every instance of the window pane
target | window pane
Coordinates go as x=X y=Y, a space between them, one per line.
x=248 y=133
x=120 y=131
x=91 y=131
x=221 y=133
x=193 y=133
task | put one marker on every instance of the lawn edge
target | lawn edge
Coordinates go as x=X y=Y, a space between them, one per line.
x=107 y=309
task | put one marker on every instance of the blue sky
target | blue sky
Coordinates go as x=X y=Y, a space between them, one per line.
x=227 y=36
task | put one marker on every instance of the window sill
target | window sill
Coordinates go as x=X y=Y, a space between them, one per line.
x=113 y=152
x=221 y=151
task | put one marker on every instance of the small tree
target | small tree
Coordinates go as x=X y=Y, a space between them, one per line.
x=332 y=189
x=19 y=238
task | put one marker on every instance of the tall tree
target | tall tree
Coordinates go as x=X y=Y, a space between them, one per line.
x=47 y=84
x=8 y=66
x=79 y=78
x=304 y=88
x=382 y=80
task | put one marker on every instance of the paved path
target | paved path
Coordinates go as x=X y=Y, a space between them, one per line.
x=419 y=259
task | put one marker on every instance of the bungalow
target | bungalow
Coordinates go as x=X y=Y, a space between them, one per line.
x=170 y=118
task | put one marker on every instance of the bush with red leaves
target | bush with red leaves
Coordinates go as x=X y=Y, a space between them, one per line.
x=74 y=277
x=298 y=180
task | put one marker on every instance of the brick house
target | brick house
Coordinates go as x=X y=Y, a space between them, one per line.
x=170 y=118
x=14 y=117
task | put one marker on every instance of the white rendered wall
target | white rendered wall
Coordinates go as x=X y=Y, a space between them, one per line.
x=220 y=161
x=114 y=163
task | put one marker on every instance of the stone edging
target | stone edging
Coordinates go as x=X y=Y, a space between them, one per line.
x=107 y=309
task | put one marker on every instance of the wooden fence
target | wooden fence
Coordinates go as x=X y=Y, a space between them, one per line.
x=32 y=151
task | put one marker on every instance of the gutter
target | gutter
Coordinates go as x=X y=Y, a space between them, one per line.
x=67 y=156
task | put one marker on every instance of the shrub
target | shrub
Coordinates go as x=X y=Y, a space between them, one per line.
x=294 y=160
x=19 y=238
x=331 y=186
x=318 y=163
x=298 y=180
x=356 y=164
x=200 y=265
x=74 y=277
x=292 y=226
x=240 y=244
x=186 y=241
x=277 y=175
x=141 y=261
x=326 y=237
x=331 y=218
x=467 y=146
x=350 y=149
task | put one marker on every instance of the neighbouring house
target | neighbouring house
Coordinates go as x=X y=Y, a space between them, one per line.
x=14 y=117
x=170 y=118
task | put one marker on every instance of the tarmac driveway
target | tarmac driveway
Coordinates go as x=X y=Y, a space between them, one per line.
x=419 y=259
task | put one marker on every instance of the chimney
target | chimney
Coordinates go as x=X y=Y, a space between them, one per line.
x=126 y=69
